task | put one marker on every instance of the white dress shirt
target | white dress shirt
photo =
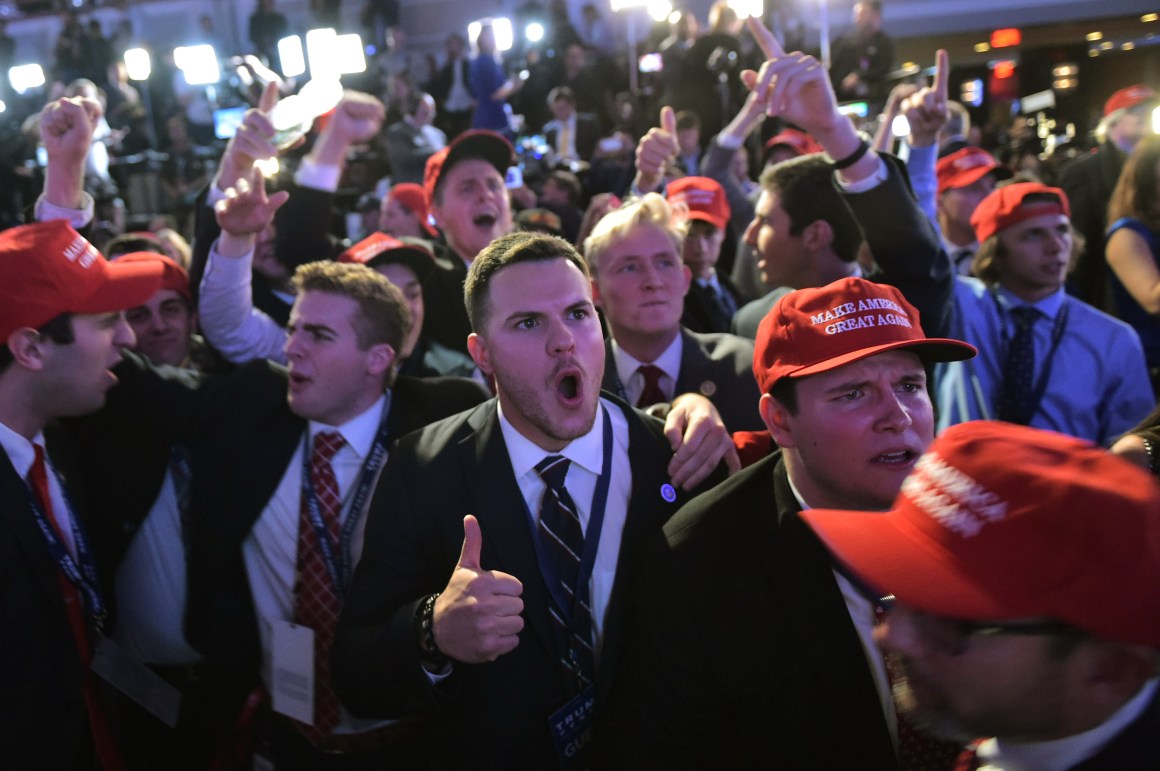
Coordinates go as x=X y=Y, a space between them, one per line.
x=632 y=381
x=586 y=454
x=270 y=551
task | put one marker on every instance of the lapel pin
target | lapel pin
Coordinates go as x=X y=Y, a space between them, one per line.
x=708 y=388
x=668 y=493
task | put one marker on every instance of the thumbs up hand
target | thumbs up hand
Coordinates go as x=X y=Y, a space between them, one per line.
x=655 y=151
x=477 y=617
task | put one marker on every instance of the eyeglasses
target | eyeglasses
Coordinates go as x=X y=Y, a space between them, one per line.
x=952 y=635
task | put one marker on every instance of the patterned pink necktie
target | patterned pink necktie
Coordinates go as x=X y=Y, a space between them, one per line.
x=316 y=602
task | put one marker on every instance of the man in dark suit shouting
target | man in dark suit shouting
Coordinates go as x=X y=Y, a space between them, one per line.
x=537 y=487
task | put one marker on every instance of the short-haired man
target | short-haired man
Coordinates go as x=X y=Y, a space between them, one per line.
x=411 y=140
x=1050 y=657
x=62 y=329
x=1047 y=359
x=712 y=298
x=466 y=194
x=572 y=135
x=743 y=636
x=965 y=178
x=491 y=585
x=640 y=283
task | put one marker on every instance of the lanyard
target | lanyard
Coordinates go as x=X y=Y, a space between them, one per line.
x=1056 y=336
x=591 y=539
x=339 y=566
x=84 y=576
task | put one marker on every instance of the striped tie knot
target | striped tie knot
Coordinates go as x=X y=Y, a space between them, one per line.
x=552 y=470
x=327 y=444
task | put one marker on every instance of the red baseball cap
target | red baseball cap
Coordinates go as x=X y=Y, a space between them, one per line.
x=999 y=521
x=819 y=329
x=50 y=269
x=173 y=276
x=476 y=144
x=1127 y=98
x=967 y=166
x=703 y=198
x=414 y=200
x=382 y=249
x=1004 y=207
x=799 y=142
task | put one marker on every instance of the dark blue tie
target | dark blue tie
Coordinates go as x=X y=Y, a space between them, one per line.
x=1017 y=401
x=559 y=529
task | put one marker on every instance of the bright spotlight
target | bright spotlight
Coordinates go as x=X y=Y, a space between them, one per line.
x=198 y=63
x=502 y=28
x=659 y=10
x=137 y=64
x=291 y=56
x=25 y=77
x=534 y=32
x=349 y=54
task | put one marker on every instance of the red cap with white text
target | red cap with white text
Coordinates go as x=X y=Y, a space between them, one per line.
x=50 y=269
x=1000 y=522
x=822 y=328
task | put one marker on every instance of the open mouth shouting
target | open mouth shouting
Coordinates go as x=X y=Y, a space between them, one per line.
x=567 y=384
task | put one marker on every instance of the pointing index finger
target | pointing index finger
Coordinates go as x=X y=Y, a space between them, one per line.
x=764 y=37
x=942 y=74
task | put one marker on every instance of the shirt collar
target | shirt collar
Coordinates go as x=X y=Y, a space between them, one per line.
x=1065 y=753
x=19 y=449
x=586 y=451
x=669 y=361
x=1049 y=306
x=360 y=431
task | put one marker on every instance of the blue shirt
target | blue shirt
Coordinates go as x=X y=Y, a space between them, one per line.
x=486 y=76
x=1097 y=387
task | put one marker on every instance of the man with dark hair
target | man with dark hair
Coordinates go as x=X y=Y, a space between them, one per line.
x=712 y=298
x=500 y=539
x=62 y=329
x=572 y=135
x=863 y=57
x=709 y=680
x=1049 y=360
x=1047 y=660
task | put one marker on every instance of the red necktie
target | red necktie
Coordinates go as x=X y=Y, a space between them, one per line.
x=917 y=751
x=317 y=603
x=652 y=393
x=107 y=751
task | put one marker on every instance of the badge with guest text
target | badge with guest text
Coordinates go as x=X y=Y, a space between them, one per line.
x=292 y=670
x=572 y=729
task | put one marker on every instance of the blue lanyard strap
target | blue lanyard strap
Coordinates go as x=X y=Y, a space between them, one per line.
x=82 y=576
x=338 y=556
x=548 y=567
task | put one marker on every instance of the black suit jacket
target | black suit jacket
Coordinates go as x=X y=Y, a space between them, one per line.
x=717 y=366
x=495 y=715
x=702 y=314
x=587 y=135
x=43 y=719
x=241 y=435
x=445 y=316
x=741 y=652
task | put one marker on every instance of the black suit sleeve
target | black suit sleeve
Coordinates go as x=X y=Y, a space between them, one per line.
x=906 y=248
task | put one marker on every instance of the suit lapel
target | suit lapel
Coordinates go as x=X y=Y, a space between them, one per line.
x=811 y=604
x=16 y=516
x=695 y=369
x=499 y=507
